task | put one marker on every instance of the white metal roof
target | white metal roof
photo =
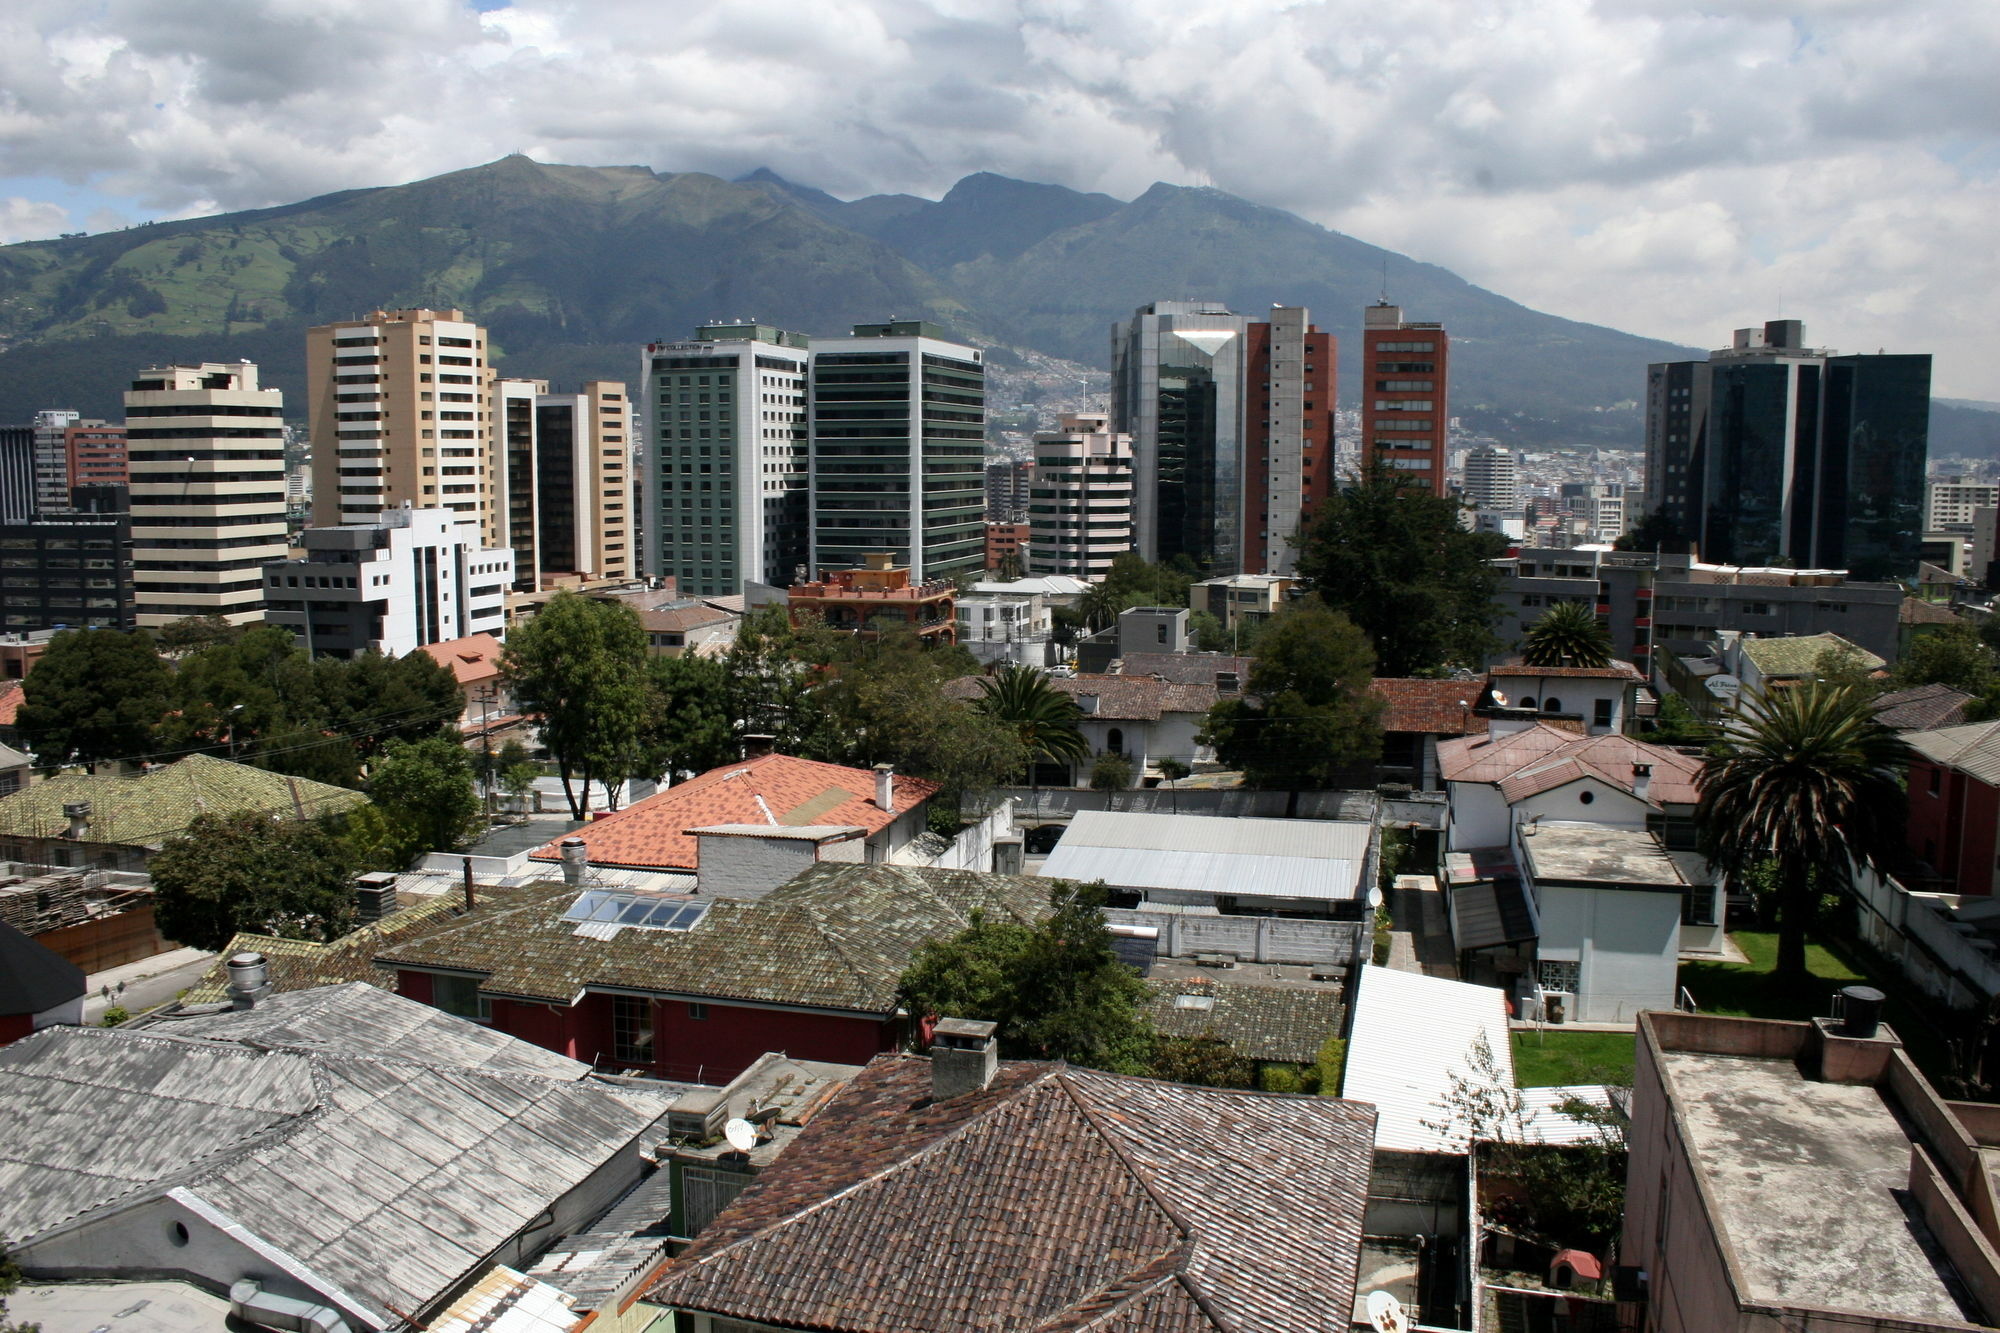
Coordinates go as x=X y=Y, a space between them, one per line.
x=1411 y=1034
x=1282 y=858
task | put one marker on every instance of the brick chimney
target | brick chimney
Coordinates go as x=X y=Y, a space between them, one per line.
x=885 y=788
x=964 y=1057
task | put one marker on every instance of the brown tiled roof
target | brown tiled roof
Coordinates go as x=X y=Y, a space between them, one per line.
x=773 y=788
x=1056 y=1199
x=303 y=964
x=837 y=937
x=1286 y=1023
x=1119 y=698
x=1924 y=708
x=1916 y=611
x=1542 y=758
x=1434 y=707
x=472 y=659
x=679 y=619
x=1186 y=668
x=1616 y=671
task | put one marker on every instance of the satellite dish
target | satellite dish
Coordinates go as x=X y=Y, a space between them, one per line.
x=742 y=1135
x=1385 y=1313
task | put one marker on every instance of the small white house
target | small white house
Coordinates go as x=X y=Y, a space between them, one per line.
x=1602 y=698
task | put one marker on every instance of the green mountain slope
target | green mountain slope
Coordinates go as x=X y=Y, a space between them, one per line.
x=571 y=268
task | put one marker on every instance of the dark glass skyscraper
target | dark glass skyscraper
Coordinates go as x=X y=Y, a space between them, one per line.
x=1775 y=453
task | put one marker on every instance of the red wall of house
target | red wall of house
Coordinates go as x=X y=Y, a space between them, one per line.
x=1954 y=827
x=13 y=1027
x=708 y=1050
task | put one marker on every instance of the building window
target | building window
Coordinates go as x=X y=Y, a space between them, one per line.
x=632 y=1029
x=1558 y=974
x=1114 y=741
x=460 y=995
x=1551 y=704
x=1603 y=714
x=1936 y=780
x=1698 y=905
x=697 y=1011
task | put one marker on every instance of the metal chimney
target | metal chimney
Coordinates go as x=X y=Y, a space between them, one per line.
x=249 y=980
x=575 y=858
x=885 y=788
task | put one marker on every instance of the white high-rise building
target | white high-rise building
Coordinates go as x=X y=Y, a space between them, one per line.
x=52 y=458
x=1493 y=479
x=411 y=578
x=728 y=461
x=1951 y=504
x=208 y=491
x=1080 y=498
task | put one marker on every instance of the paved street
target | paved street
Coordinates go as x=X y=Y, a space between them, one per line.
x=147 y=983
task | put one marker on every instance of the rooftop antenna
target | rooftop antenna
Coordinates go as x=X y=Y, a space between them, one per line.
x=742 y=1135
x=1385 y=277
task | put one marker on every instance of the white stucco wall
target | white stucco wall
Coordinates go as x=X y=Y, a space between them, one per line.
x=1626 y=942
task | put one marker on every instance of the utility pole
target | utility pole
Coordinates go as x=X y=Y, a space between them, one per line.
x=486 y=699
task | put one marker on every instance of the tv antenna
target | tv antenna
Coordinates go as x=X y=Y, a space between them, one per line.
x=1385 y=277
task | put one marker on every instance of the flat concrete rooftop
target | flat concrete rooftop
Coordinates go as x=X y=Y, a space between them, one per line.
x=1568 y=853
x=1806 y=1180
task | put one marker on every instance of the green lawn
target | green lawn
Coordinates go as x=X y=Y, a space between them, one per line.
x=1550 y=1059
x=1752 y=990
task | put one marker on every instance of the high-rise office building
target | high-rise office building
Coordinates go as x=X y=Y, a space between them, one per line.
x=1404 y=407
x=71 y=569
x=1493 y=479
x=727 y=470
x=95 y=455
x=1952 y=504
x=1287 y=434
x=398 y=412
x=1177 y=388
x=1080 y=498
x=1772 y=452
x=413 y=577
x=17 y=474
x=583 y=515
x=898 y=451
x=52 y=458
x=208 y=490
x=1007 y=490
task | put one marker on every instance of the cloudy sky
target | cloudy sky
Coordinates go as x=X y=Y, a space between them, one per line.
x=1674 y=169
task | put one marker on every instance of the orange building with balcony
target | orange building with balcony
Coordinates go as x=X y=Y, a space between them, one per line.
x=855 y=599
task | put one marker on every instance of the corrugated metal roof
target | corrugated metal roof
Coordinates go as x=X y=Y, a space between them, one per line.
x=1285 y=858
x=1411 y=1034
x=1973 y=749
x=1543 y=1120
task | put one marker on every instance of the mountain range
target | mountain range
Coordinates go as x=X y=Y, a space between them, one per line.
x=573 y=268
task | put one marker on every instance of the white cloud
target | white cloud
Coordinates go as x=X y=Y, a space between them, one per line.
x=1644 y=163
x=31 y=220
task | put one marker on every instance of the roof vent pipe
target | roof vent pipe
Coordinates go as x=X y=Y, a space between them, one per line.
x=1642 y=780
x=885 y=788
x=575 y=857
x=249 y=980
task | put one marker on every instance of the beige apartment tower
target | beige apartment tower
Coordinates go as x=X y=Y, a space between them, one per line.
x=1080 y=498
x=399 y=414
x=207 y=451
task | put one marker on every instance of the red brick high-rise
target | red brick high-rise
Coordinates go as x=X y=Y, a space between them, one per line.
x=96 y=454
x=1403 y=407
x=1287 y=434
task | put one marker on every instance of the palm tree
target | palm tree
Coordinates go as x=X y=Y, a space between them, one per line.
x=1173 y=770
x=1042 y=716
x=1100 y=605
x=1806 y=782
x=1568 y=634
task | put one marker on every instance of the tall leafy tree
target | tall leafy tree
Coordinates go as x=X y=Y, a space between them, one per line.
x=1043 y=717
x=1807 y=782
x=428 y=785
x=579 y=669
x=690 y=730
x=1306 y=711
x=1568 y=634
x=96 y=694
x=1056 y=989
x=1953 y=655
x=253 y=872
x=376 y=700
x=1399 y=564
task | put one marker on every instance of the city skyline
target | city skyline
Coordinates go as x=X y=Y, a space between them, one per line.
x=1692 y=169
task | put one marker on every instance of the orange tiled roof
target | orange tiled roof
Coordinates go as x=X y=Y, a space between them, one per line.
x=771 y=789
x=472 y=659
x=1434 y=707
x=12 y=696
